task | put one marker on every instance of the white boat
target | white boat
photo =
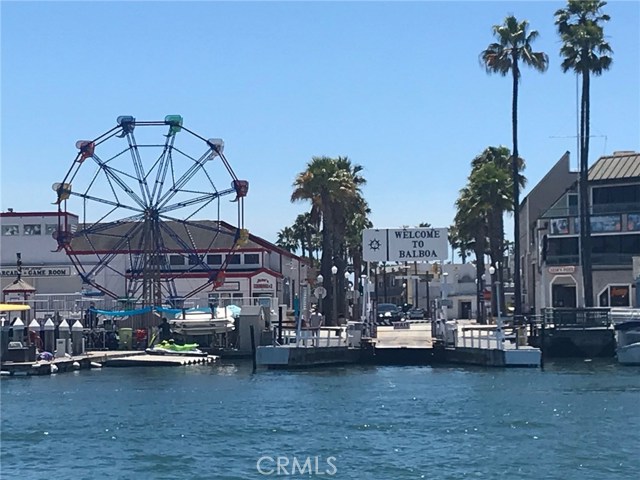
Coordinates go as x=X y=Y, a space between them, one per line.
x=198 y=323
x=628 y=342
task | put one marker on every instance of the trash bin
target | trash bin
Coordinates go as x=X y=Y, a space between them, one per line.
x=125 y=335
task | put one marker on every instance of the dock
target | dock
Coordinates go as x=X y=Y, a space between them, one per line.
x=404 y=343
x=484 y=345
x=308 y=348
x=98 y=359
x=146 y=360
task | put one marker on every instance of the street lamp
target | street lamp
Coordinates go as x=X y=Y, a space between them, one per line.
x=320 y=279
x=492 y=270
x=334 y=314
x=404 y=293
x=346 y=295
x=444 y=295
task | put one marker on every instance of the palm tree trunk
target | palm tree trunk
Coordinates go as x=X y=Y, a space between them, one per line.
x=517 y=296
x=585 y=214
x=325 y=264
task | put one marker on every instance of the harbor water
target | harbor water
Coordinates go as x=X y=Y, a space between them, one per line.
x=575 y=420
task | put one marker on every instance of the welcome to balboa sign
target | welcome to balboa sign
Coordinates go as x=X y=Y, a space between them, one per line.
x=405 y=245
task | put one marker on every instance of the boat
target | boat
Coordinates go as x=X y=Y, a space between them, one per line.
x=628 y=342
x=200 y=322
x=168 y=347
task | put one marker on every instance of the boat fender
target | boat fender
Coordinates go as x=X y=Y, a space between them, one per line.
x=96 y=365
x=54 y=368
x=76 y=365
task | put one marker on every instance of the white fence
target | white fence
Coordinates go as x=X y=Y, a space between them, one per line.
x=313 y=337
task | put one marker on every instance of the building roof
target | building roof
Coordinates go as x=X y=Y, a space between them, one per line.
x=19 y=286
x=619 y=166
x=126 y=237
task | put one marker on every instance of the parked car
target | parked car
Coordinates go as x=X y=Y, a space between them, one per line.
x=388 y=312
x=416 y=314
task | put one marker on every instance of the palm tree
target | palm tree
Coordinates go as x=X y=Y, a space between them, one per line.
x=287 y=239
x=471 y=228
x=585 y=51
x=333 y=188
x=504 y=57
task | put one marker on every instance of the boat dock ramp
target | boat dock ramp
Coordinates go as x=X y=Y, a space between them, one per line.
x=403 y=343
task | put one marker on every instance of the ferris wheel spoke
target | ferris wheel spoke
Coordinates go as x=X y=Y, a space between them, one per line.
x=111 y=173
x=194 y=201
x=105 y=201
x=113 y=251
x=183 y=180
x=98 y=226
x=163 y=168
x=139 y=167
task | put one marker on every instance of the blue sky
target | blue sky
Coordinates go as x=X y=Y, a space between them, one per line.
x=395 y=86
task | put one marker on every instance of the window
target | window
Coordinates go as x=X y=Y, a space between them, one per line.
x=562 y=246
x=615 y=296
x=251 y=258
x=559 y=226
x=233 y=259
x=176 y=260
x=33 y=229
x=50 y=228
x=616 y=194
x=633 y=222
x=608 y=223
x=10 y=230
x=214 y=259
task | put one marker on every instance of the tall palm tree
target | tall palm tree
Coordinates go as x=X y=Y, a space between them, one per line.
x=503 y=57
x=287 y=239
x=585 y=51
x=332 y=186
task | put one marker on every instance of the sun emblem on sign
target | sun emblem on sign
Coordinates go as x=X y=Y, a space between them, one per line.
x=374 y=244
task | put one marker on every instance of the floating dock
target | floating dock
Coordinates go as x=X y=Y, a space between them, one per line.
x=146 y=360
x=97 y=359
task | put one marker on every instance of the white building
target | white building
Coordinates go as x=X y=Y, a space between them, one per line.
x=257 y=268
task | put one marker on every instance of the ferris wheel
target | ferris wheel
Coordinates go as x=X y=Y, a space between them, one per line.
x=150 y=212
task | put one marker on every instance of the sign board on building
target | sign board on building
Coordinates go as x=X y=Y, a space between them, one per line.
x=563 y=269
x=37 y=272
x=262 y=283
x=405 y=245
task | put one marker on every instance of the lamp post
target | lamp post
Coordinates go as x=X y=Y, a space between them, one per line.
x=346 y=295
x=444 y=295
x=405 y=299
x=483 y=312
x=334 y=314
x=492 y=270
x=320 y=279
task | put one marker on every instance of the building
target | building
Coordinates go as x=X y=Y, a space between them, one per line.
x=550 y=235
x=423 y=284
x=257 y=269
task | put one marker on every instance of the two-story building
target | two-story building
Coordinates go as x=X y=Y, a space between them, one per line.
x=257 y=269
x=550 y=238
